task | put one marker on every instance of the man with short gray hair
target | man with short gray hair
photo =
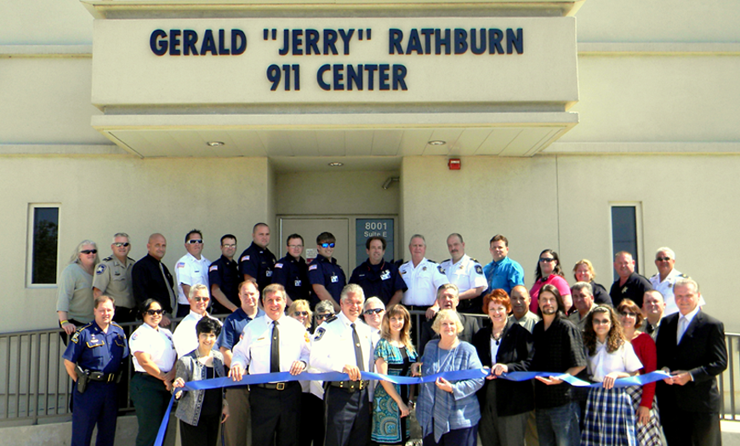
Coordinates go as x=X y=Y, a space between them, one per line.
x=185 y=338
x=342 y=344
x=665 y=259
x=448 y=298
x=583 y=300
x=423 y=277
x=113 y=278
x=373 y=312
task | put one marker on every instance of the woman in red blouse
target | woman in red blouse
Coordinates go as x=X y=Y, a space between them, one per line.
x=649 y=430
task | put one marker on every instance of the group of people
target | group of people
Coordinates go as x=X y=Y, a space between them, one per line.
x=292 y=316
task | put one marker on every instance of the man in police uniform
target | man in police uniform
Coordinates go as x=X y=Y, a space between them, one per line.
x=292 y=272
x=185 y=336
x=191 y=269
x=665 y=259
x=270 y=344
x=343 y=344
x=237 y=428
x=224 y=278
x=466 y=273
x=152 y=280
x=113 y=278
x=93 y=360
x=377 y=277
x=257 y=262
x=326 y=277
x=629 y=285
x=423 y=277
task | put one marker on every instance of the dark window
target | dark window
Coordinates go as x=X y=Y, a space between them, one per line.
x=624 y=232
x=45 y=239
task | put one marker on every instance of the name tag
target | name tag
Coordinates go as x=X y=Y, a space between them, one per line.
x=385 y=275
x=334 y=279
x=268 y=273
x=297 y=283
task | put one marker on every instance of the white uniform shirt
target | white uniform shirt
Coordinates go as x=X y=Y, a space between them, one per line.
x=666 y=289
x=603 y=363
x=255 y=347
x=191 y=271
x=466 y=273
x=185 y=337
x=422 y=282
x=157 y=342
x=333 y=347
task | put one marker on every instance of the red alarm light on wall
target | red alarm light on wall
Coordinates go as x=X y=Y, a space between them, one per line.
x=454 y=163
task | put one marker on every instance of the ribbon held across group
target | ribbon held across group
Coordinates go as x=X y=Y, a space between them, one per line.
x=217 y=383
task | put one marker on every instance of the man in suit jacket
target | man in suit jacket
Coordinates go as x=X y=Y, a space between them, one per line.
x=691 y=346
x=448 y=298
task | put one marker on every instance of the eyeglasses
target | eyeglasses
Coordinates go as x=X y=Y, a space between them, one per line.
x=201 y=299
x=601 y=322
x=300 y=313
x=89 y=251
x=327 y=245
x=374 y=311
x=121 y=245
x=154 y=312
x=232 y=245
x=194 y=241
x=662 y=259
x=546 y=259
x=297 y=246
x=627 y=313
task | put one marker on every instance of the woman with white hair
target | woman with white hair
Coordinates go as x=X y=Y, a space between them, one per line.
x=448 y=411
x=75 y=298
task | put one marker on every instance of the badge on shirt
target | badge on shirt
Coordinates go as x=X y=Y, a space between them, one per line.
x=478 y=269
x=268 y=273
x=213 y=268
x=134 y=336
x=385 y=275
x=319 y=334
x=440 y=269
x=423 y=268
x=624 y=290
x=180 y=264
x=334 y=278
x=100 y=269
x=297 y=282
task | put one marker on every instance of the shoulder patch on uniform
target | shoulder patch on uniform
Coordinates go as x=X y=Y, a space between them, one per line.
x=279 y=265
x=108 y=259
x=313 y=267
x=440 y=269
x=100 y=269
x=213 y=268
x=319 y=334
x=478 y=269
x=75 y=337
x=244 y=258
x=134 y=336
x=180 y=265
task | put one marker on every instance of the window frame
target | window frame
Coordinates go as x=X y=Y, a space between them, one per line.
x=30 y=245
x=639 y=251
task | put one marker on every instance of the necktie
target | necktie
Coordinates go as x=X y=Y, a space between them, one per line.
x=358 y=349
x=173 y=301
x=650 y=328
x=275 y=349
x=683 y=323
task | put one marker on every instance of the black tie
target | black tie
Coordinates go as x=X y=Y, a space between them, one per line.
x=650 y=328
x=275 y=349
x=358 y=349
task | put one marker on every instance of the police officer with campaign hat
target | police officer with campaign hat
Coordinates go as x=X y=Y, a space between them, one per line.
x=292 y=271
x=113 y=278
x=257 y=262
x=344 y=344
x=326 y=277
x=224 y=278
x=93 y=359
x=377 y=277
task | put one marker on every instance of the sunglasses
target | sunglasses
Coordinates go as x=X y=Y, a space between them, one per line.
x=627 y=313
x=374 y=311
x=327 y=245
x=194 y=241
x=300 y=313
x=546 y=259
x=119 y=244
x=201 y=299
x=154 y=312
x=89 y=251
x=662 y=259
x=323 y=316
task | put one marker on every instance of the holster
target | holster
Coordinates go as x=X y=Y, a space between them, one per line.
x=82 y=379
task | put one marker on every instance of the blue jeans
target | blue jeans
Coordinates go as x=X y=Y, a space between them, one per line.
x=558 y=426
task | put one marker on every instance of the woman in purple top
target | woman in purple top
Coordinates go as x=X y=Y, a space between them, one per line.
x=549 y=272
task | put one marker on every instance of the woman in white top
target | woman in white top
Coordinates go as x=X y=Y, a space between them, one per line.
x=609 y=418
x=154 y=359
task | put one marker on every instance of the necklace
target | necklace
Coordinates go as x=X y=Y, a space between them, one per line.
x=497 y=337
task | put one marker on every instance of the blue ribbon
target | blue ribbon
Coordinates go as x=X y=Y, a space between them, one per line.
x=217 y=383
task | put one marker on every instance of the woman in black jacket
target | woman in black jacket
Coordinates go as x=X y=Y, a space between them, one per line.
x=505 y=346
